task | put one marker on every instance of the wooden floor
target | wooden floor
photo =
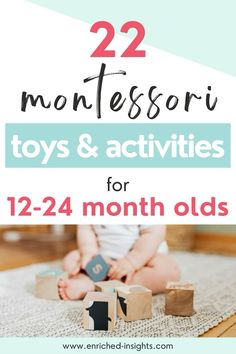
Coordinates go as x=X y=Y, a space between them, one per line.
x=26 y=252
x=18 y=254
x=224 y=329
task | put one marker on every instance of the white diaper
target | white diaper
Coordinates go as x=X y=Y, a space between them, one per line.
x=163 y=248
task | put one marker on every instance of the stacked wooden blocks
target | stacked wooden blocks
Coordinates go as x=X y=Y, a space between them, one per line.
x=108 y=286
x=130 y=303
x=113 y=298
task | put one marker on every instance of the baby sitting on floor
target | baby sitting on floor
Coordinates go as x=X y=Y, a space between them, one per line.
x=137 y=254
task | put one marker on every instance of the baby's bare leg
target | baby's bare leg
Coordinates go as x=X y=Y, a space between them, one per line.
x=78 y=284
x=160 y=269
x=71 y=262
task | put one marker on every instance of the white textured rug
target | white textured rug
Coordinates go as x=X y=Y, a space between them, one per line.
x=215 y=300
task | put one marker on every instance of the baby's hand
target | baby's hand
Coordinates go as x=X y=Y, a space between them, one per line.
x=120 y=269
x=85 y=259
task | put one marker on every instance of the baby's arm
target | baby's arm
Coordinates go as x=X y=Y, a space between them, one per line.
x=146 y=246
x=87 y=244
x=143 y=250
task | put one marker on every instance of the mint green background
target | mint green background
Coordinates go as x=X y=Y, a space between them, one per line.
x=200 y=30
x=121 y=132
x=54 y=345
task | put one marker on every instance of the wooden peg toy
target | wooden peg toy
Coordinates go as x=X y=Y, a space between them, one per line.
x=108 y=285
x=179 y=299
x=47 y=284
x=134 y=302
x=97 y=268
x=99 y=311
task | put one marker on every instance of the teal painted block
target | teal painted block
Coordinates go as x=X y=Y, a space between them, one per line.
x=51 y=272
x=97 y=269
x=46 y=286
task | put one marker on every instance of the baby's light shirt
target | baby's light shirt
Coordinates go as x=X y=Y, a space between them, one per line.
x=116 y=241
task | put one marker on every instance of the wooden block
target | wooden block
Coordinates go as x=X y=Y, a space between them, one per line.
x=134 y=302
x=47 y=284
x=179 y=299
x=108 y=285
x=97 y=268
x=99 y=311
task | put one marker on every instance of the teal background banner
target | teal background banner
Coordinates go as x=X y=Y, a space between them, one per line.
x=140 y=137
x=199 y=30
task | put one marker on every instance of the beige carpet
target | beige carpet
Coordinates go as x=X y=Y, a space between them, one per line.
x=24 y=315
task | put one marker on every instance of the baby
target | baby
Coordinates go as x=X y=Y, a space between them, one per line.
x=137 y=254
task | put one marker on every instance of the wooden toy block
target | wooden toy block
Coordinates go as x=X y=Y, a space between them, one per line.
x=179 y=299
x=99 y=311
x=108 y=285
x=47 y=284
x=134 y=302
x=97 y=268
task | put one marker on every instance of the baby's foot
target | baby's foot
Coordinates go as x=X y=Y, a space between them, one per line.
x=71 y=262
x=75 y=288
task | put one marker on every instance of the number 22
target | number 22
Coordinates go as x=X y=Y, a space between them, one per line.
x=131 y=51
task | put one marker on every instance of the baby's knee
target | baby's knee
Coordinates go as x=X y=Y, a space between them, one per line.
x=72 y=256
x=175 y=272
x=167 y=268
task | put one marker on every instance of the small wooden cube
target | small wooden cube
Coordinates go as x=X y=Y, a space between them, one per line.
x=97 y=268
x=47 y=284
x=99 y=311
x=179 y=299
x=108 y=285
x=134 y=302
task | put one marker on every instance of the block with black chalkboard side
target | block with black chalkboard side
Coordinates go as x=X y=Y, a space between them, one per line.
x=97 y=269
x=134 y=302
x=99 y=311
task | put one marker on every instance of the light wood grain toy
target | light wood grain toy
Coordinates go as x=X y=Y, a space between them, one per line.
x=134 y=302
x=108 y=285
x=47 y=284
x=99 y=311
x=179 y=299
